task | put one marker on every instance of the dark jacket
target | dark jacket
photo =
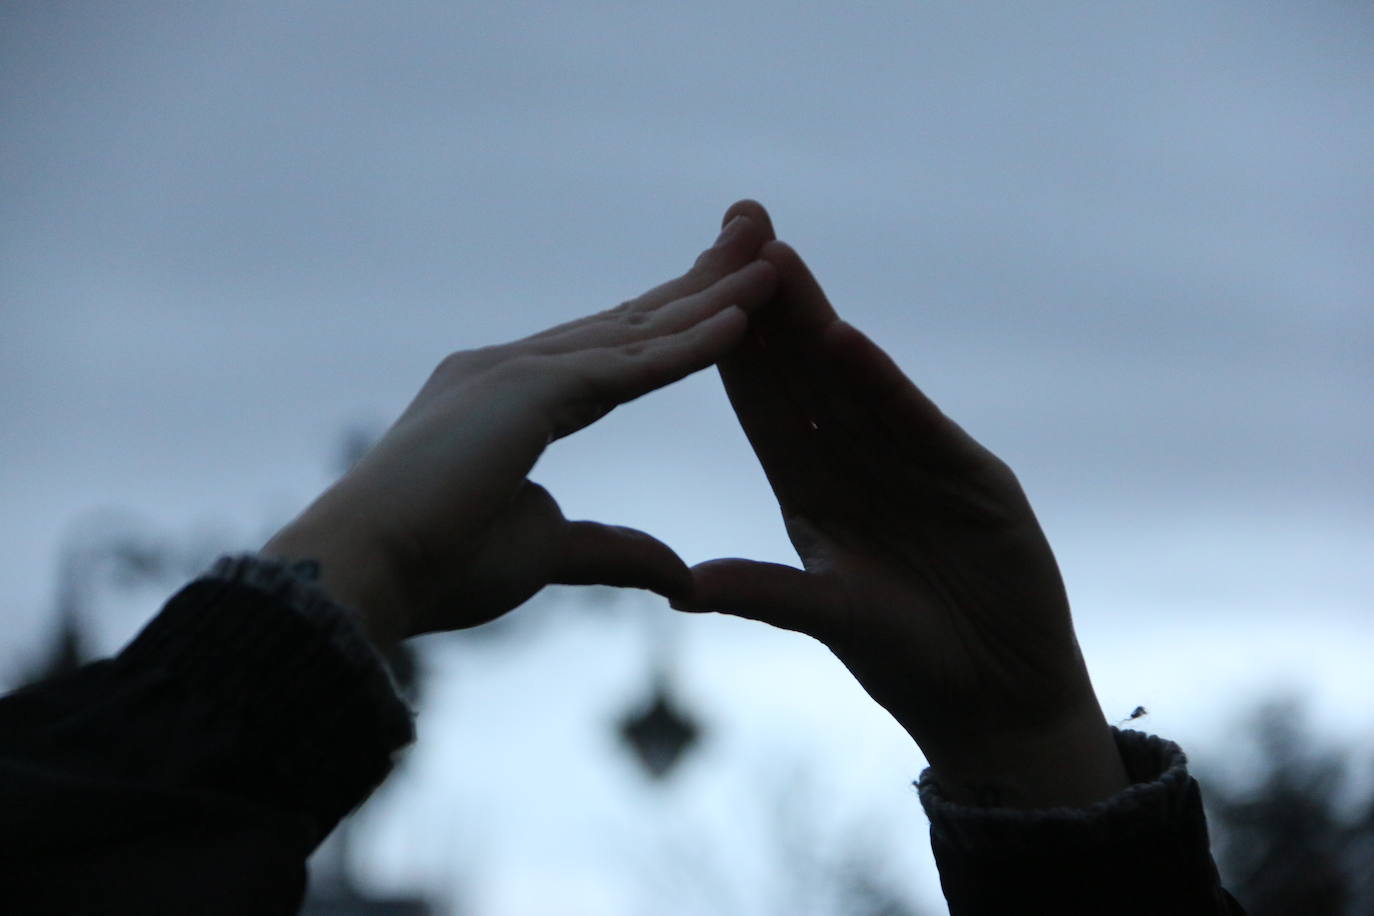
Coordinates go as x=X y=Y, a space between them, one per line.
x=196 y=770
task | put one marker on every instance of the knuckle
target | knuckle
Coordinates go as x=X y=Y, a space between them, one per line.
x=631 y=313
x=538 y=499
x=462 y=364
x=1000 y=474
x=455 y=364
x=521 y=366
x=991 y=497
x=707 y=265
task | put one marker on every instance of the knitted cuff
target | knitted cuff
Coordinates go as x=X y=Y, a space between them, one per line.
x=1159 y=778
x=297 y=585
x=1083 y=859
x=298 y=709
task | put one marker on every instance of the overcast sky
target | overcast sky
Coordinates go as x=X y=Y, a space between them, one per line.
x=1129 y=246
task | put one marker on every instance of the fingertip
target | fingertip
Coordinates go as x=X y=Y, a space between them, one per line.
x=779 y=253
x=753 y=210
x=697 y=599
x=675 y=586
x=762 y=277
x=792 y=270
x=593 y=553
x=682 y=601
x=732 y=314
x=807 y=308
x=727 y=329
x=738 y=244
x=773 y=593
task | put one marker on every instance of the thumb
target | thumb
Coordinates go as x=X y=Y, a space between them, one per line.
x=591 y=553
x=771 y=592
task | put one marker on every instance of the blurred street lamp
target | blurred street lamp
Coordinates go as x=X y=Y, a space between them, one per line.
x=659 y=733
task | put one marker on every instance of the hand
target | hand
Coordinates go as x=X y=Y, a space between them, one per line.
x=924 y=569
x=437 y=527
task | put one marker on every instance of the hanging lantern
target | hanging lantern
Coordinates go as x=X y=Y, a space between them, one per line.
x=659 y=734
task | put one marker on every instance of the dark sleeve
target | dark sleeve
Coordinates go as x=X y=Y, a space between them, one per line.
x=196 y=770
x=1143 y=851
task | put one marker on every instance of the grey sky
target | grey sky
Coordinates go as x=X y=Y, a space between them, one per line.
x=1129 y=246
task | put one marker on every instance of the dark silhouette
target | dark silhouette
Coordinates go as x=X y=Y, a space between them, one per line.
x=198 y=768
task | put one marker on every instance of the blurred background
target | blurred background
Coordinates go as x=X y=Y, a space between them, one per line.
x=1128 y=246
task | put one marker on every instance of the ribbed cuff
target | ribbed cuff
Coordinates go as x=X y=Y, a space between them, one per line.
x=1078 y=859
x=298 y=709
x=1158 y=770
x=297 y=584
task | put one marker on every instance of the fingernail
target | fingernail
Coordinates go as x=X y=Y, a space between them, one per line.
x=729 y=230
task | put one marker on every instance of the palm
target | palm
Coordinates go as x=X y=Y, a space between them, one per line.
x=911 y=610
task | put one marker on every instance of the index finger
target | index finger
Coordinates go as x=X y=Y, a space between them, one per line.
x=768 y=379
x=862 y=384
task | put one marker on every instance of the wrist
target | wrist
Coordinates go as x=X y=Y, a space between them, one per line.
x=1073 y=763
x=351 y=574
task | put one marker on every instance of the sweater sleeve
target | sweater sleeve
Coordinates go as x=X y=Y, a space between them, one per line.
x=1145 y=850
x=197 y=769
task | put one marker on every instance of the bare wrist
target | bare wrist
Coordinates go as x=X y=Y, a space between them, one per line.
x=1072 y=764
x=353 y=576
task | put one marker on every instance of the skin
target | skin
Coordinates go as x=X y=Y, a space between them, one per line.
x=923 y=567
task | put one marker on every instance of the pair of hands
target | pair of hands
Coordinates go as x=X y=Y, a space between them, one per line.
x=923 y=567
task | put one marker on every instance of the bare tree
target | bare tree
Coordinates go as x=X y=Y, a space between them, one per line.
x=1291 y=839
